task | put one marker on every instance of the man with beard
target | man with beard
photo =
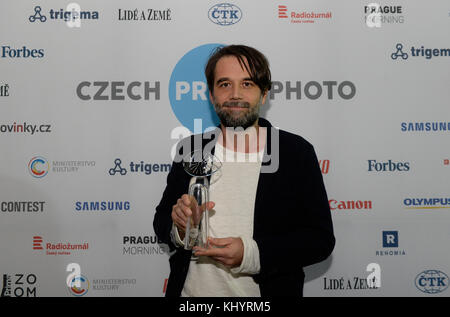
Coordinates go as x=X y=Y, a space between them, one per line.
x=264 y=225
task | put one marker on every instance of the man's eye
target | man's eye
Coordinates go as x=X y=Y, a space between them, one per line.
x=224 y=85
x=247 y=84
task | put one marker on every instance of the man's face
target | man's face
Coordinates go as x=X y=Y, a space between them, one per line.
x=236 y=98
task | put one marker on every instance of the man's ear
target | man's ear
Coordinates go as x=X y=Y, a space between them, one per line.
x=211 y=98
x=264 y=96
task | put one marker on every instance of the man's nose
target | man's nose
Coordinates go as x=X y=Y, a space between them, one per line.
x=236 y=92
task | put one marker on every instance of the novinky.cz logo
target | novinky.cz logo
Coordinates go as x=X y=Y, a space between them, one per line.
x=58 y=248
x=25 y=128
x=138 y=167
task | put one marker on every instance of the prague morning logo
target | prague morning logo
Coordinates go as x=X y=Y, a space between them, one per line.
x=38 y=166
x=188 y=90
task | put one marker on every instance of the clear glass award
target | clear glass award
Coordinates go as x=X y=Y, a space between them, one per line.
x=200 y=166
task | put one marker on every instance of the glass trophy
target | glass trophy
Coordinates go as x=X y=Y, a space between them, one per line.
x=200 y=166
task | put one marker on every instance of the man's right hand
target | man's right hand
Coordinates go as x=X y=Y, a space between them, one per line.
x=183 y=209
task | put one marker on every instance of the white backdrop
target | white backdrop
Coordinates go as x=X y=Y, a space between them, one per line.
x=79 y=96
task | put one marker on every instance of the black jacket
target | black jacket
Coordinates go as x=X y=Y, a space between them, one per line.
x=292 y=220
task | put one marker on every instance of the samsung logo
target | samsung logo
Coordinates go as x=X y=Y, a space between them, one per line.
x=225 y=14
x=102 y=206
x=425 y=126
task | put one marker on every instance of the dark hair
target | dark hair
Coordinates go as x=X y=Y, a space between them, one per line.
x=258 y=66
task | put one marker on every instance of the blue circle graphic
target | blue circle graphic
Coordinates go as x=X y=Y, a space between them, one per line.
x=188 y=89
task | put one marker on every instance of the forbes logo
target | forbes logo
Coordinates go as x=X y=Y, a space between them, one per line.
x=225 y=14
x=23 y=52
x=432 y=281
x=388 y=166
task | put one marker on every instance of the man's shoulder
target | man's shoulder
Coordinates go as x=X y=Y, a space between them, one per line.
x=293 y=140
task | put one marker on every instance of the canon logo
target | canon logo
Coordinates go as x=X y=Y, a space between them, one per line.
x=388 y=166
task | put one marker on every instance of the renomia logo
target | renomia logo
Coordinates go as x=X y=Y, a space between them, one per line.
x=390 y=245
x=431 y=281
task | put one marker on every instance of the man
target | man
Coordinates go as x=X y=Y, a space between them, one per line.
x=265 y=224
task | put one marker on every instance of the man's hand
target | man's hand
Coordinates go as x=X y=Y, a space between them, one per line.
x=228 y=251
x=185 y=207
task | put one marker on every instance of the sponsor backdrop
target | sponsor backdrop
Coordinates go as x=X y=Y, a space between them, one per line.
x=94 y=95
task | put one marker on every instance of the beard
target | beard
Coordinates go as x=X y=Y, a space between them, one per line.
x=241 y=118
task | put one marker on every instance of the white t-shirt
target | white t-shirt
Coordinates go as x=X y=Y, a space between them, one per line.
x=233 y=190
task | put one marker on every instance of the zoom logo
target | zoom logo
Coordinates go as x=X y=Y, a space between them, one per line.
x=188 y=91
x=38 y=166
